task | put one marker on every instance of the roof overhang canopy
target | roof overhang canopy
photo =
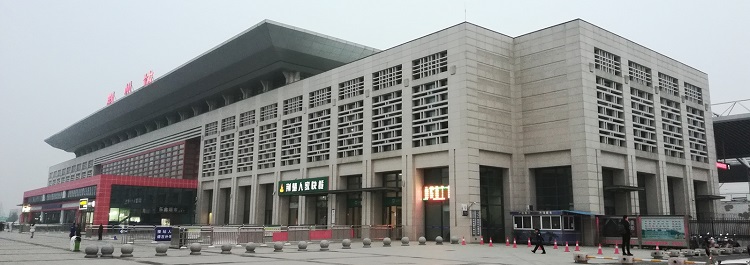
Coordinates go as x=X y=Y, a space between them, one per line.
x=732 y=136
x=252 y=55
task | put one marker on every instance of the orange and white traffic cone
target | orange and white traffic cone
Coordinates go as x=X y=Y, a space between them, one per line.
x=528 y=243
x=566 y=247
x=507 y=242
x=514 y=243
x=490 y=242
x=617 y=250
x=599 y=252
x=481 y=240
x=657 y=246
x=463 y=241
x=555 y=246
x=577 y=248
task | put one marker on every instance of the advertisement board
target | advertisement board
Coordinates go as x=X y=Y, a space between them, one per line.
x=663 y=230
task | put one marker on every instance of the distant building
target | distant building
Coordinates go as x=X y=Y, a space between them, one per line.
x=293 y=127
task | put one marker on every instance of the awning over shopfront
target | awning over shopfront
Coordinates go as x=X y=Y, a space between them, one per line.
x=623 y=188
x=708 y=197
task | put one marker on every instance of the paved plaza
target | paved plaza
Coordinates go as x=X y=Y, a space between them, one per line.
x=52 y=248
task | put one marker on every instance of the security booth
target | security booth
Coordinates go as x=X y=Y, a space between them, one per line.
x=561 y=225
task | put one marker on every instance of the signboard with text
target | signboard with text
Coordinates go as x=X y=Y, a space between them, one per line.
x=303 y=186
x=163 y=233
x=436 y=193
x=666 y=229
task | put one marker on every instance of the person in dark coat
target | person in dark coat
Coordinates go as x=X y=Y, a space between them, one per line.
x=78 y=233
x=625 y=229
x=72 y=230
x=101 y=230
x=539 y=241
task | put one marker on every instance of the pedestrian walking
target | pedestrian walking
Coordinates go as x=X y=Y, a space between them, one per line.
x=101 y=230
x=72 y=230
x=32 y=229
x=539 y=241
x=624 y=228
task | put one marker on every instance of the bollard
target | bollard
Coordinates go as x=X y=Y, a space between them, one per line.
x=324 y=245
x=699 y=252
x=366 y=242
x=404 y=241
x=657 y=254
x=195 y=249
x=674 y=253
x=688 y=252
x=439 y=240
x=226 y=249
x=715 y=252
x=454 y=240
x=725 y=251
x=387 y=242
x=91 y=252
x=250 y=248
x=346 y=244
x=676 y=261
x=737 y=250
x=422 y=240
x=581 y=258
x=161 y=250
x=302 y=246
x=107 y=251
x=626 y=260
x=278 y=247
x=127 y=251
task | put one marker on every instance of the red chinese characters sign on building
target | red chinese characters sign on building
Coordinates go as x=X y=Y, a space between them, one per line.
x=148 y=78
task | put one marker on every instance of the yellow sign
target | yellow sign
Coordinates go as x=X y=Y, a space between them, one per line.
x=83 y=204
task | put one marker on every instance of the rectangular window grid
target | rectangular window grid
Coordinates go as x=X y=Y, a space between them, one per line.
x=697 y=135
x=245 y=148
x=672 y=128
x=693 y=93
x=644 y=121
x=350 y=129
x=268 y=112
x=292 y=105
x=320 y=97
x=669 y=85
x=386 y=122
x=247 y=118
x=228 y=123
x=167 y=162
x=607 y=62
x=319 y=135
x=352 y=88
x=639 y=74
x=611 y=112
x=291 y=141
x=226 y=154
x=212 y=128
x=430 y=65
x=267 y=146
x=386 y=78
x=209 y=157
x=430 y=113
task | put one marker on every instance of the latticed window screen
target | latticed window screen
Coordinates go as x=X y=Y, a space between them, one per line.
x=245 y=150
x=352 y=88
x=607 y=62
x=644 y=121
x=267 y=146
x=319 y=135
x=209 y=157
x=611 y=112
x=639 y=74
x=386 y=78
x=672 y=128
x=697 y=134
x=693 y=93
x=268 y=112
x=226 y=154
x=291 y=141
x=430 y=113
x=247 y=118
x=430 y=65
x=669 y=85
x=228 y=123
x=350 y=129
x=386 y=122
x=292 y=105
x=212 y=128
x=320 y=97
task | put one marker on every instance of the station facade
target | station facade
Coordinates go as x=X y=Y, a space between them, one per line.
x=443 y=135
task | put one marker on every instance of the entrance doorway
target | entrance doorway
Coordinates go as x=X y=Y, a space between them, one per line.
x=392 y=199
x=354 y=200
x=436 y=207
x=491 y=201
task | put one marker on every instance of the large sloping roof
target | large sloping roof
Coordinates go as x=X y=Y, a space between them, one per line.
x=264 y=48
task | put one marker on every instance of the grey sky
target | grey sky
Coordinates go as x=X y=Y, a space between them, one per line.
x=60 y=59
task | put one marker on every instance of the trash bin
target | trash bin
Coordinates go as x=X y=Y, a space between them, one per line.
x=75 y=244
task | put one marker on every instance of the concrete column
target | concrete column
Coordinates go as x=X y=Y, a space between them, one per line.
x=62 y=216
x=291 y=76
x=235 y=213
x=663 y=187
x=267 y=85
x=245 y=92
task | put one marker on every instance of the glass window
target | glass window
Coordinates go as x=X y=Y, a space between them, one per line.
x=546 y=222
x=526 y=222
x=556 y=222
